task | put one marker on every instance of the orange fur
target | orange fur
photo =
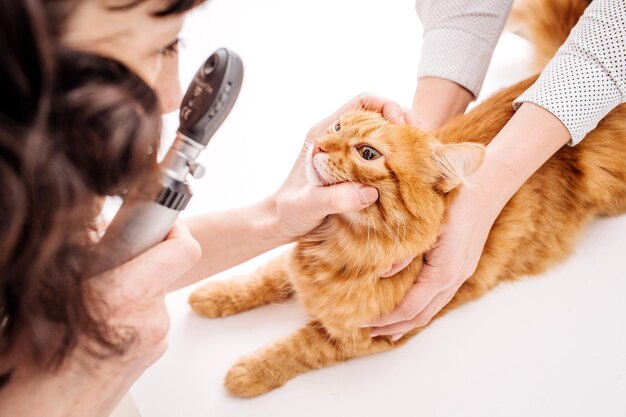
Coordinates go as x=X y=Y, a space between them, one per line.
x=545 y=23
x=334 y=270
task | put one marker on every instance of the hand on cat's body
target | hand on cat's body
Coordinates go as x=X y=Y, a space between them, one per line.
x=471 y=215
x=452 y=260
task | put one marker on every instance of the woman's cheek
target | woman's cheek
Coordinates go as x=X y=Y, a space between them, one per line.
x=148 y=69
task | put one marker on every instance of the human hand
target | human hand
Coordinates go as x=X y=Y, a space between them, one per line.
x=129 y=302
x=447 y=266
x=133 y=294
x=438 y=100
x=300 y=205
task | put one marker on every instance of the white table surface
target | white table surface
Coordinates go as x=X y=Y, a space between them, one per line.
x=553 y=345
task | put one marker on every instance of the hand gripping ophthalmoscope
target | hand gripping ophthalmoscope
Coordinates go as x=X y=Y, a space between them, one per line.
x=145 y=220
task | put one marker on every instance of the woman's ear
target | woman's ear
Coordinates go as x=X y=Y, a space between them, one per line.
x=456 y=161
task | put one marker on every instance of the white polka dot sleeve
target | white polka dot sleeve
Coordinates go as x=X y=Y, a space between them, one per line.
x=586 y=79
x=459 y=38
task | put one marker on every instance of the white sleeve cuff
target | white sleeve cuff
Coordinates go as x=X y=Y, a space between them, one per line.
x=578 y=92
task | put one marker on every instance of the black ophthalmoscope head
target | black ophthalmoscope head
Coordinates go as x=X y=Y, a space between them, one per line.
x=211 y=95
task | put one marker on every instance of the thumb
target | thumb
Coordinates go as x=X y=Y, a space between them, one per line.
x=398 y=266
x=410 y=118
x=342 y=198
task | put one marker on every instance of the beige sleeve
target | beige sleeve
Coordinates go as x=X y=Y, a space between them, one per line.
x=459 y=38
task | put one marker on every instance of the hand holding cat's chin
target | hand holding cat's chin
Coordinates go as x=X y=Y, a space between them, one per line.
x=300 y=208
x=301 y=205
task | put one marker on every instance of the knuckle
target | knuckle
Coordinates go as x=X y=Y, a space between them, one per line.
x=429 y=278
x=155 y=331
x=407 y=313
x=342 y=203
x=450 y=282
x=191 y=251
x=159 y=350
x=421 y=321
x=150 y=355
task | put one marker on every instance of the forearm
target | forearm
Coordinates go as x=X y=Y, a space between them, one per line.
x=438 y=100
x=231 y=237
x=525 y=143
x=76 y=390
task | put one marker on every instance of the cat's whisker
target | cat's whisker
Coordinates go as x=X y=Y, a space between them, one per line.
x=369 y=226
x=403 y=224
x=394 y=235
x=391 y=235
x=332 y=189
x=346 y=177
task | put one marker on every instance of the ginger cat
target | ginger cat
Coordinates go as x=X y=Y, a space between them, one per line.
x=335 y=270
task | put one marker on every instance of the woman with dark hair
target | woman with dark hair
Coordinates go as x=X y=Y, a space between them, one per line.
x=83 y=85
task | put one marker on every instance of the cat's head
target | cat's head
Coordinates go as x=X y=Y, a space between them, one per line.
x=412 y=171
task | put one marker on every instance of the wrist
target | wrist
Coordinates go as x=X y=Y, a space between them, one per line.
x=269 y=224
x=438 y=100
x=525 y=143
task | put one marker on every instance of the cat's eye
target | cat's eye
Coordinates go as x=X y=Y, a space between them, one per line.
x=337 y=127
x=368 y=153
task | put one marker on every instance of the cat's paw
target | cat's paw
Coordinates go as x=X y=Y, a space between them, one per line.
x=216 y=299
x=250 y=377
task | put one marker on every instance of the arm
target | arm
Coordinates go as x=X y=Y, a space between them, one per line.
x=459 y=38
x=530 y=138
x=438 y=100
x=92 y=379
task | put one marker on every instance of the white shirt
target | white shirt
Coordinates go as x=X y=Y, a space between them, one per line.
x=584 y=81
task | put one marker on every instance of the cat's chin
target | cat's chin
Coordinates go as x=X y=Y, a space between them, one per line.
x=319 y=178
x=357 y=219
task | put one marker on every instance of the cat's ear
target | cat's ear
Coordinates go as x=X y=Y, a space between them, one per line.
x=456 y=161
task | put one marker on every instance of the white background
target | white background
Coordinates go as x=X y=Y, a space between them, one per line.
x=553 y=345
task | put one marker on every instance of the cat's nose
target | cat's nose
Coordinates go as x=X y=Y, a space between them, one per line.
x=317 y=148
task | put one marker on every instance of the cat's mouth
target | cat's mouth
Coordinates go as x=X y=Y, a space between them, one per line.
x=317 y=170
x=321 y=178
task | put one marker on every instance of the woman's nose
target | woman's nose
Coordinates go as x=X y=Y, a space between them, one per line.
x=167 y=85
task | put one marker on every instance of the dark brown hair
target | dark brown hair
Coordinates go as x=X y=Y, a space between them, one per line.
x=73 y=127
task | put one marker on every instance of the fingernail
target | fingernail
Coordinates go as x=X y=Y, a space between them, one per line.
x=374 y=333
x=367 y=195
x=395 y=337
